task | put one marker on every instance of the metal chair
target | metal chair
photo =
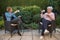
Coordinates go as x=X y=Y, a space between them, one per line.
x=9 y=26
x=50 y=27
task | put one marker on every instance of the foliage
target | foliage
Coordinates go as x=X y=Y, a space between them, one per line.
x=58 y=21
x=30 y=16
x=29 y=13
x=31 y=25
x=41 y=3
x=29 y=9
x=36 y=18
x=1 y=24
x=34 y=25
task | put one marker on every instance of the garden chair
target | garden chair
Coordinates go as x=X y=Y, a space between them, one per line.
x=10 y=26
x=51 y=27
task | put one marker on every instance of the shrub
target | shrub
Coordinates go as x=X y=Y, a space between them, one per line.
x=26 y=17
x=1 y=24
x=36 y=18
x=34 y=25
x=31 y=25
x=58 y=21
x=30 y=16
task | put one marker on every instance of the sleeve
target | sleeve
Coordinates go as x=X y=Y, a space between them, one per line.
x=14 y=15
x=7 y=15
x=53 y=16
x=41 y=15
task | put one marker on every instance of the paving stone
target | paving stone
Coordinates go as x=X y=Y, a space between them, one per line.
x=27 y=35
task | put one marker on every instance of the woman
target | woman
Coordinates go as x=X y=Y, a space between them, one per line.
x=47 y=17
x=11 y=18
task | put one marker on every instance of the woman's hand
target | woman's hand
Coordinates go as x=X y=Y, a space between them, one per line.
x=17 y=11
x=50 y=17
x=19 y=16
x=42 y=11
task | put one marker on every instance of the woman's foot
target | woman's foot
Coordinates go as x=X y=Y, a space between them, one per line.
x=46 y=31
x=41 y=23
x=41 y=37
x=19 y=34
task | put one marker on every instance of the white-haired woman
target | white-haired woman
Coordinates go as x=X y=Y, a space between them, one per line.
x=47 y=17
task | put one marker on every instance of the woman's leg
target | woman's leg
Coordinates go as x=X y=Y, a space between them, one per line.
x=17 y=21
x=42 y=33
x=43 y=29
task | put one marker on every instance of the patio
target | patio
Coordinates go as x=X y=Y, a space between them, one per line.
x=28 y=35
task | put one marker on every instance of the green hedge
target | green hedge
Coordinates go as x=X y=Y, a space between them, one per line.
x=30 y=16
x=58 y=21
x=1 y=24
x=31 y=25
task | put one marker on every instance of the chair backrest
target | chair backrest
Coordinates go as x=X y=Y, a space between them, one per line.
x=12 y=18
x=4 y=17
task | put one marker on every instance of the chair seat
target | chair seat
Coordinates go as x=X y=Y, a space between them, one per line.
x=14 y=24
x=49 y=25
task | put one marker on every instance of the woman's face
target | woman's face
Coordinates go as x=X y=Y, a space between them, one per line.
x=49 y=10
x=10 y=10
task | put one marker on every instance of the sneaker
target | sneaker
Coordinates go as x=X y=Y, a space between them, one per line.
x=41 y=23
x=46 y=31
x=41 y=37
x=19 y=34
x=49 y=25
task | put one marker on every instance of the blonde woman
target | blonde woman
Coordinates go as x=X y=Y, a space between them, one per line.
x=11 y=18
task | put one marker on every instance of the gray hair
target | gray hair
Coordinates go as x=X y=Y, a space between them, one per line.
x=50 y=7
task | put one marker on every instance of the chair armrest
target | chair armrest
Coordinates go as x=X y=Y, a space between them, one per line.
x=14 y=24
x=50 y=25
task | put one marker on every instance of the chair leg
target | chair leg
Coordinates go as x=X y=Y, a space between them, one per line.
x=11 y=33
x=50 y=35
x=19 y=31
x=5 y=31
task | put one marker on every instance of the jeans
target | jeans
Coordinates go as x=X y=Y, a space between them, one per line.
x=44 y=26
x=16 y=21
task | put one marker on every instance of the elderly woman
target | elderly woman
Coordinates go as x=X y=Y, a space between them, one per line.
x=47 y=17
x=11 y=18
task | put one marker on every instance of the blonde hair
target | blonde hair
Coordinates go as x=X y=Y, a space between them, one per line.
x=8 y=8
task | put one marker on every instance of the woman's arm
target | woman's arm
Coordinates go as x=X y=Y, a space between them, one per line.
x=16 y=11
x=41 y=15
x=52 y=17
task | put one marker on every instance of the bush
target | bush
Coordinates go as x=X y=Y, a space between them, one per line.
x=30 y=16
x=31 y=25
x=26 y=17
x=34 y=25
x=58 y=21
x=1 y=24
x=36 y=18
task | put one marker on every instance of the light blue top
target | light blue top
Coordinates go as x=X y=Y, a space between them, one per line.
x=9 y=15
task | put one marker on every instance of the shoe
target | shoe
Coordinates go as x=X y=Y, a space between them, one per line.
x=41 y=23
x=46 y=31
x=13 y=24
x=49 y=25
x=41 y=37
x=19 y=34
